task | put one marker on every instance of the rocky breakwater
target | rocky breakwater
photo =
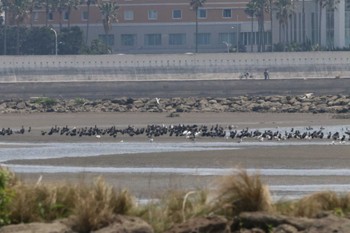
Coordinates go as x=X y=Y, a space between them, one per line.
x=303 y=103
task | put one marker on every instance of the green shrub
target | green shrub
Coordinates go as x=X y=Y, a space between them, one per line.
x=79 y=101
x=6 y=196
x=45 y=101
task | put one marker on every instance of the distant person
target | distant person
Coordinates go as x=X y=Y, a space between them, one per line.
x=266 y=74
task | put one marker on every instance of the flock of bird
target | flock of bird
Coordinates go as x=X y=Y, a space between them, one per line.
x=191 y=132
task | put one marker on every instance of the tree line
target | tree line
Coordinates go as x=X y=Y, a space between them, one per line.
x=17 y=12
x=15 y=39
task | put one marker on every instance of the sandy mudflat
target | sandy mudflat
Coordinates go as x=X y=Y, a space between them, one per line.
x=152 y=184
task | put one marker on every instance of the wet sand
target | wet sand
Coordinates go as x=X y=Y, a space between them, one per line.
x=151 y=185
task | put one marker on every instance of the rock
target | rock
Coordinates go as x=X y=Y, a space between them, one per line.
x=55 y=227
x=21 y=105
x=212 y=224
x=329 y=224
x=127 y=224
x=285 y=228
x=262 y=220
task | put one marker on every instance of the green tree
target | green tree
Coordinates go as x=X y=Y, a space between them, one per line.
x=109 y=12
x=96 y=47
x=195 y=5
x=251 y=10
x=71 y=40
x=19 y=11
x=38 y=42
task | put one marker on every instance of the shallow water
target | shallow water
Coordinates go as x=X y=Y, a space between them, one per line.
x=27 y=151
x=24 y=151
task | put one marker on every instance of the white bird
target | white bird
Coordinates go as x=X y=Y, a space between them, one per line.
x=98 y=136
x=151 y=140
x=308 y=95
x=157 y=100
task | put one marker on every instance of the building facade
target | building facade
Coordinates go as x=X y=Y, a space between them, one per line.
x=168 y=26
x=158 y=26
x=308 y=22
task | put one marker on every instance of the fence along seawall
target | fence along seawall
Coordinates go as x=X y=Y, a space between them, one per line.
x=173 y=66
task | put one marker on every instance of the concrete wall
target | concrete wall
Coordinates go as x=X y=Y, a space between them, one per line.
x=173 y=66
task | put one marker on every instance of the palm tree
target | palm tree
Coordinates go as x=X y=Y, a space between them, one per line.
x=88 y=4
x=71 y=4
x=195 y=4
x=262 y=6
x=271 y=3
x=329 y=4
x=34 y=4
x=19 y=11
x=284 y=9
x=251 y=10
x=5 y=7
x=61 y=5
x=65 y=5
x=50 y=5
x=109 y=11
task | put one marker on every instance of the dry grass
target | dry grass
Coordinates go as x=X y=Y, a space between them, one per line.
x=96 y=206
x=91 y=207
x=41 y=203
x=174 y=207
x=241 y=192
x=312 y=205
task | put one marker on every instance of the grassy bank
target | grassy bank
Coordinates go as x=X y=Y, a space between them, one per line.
x=91 y=207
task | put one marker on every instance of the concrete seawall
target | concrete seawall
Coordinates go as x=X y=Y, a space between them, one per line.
x=173 y=67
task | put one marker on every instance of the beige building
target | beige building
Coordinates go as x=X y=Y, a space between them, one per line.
x=166 y=26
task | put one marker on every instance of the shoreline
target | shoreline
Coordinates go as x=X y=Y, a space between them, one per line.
x=150 y=185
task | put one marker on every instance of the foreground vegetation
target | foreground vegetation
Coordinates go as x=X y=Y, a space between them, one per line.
x=91 y=207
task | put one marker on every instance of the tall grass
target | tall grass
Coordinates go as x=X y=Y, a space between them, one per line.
x=241 y=192
x=174 y=207
x=316 y=203
x=96 y=206
x=91 y=207
x=41 y=203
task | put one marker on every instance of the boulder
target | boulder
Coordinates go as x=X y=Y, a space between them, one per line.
x=55 y=227
x=329 y=224
x=126 y=224
x=212 y=224
x=265 y=221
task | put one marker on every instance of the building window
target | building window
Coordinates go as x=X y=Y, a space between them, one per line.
x=128 y=15
x=177 y=14
x=227 y=13
x=36 y=16
x=50 y=16
x=227 y=37
x=153 y=39
x=152 y=14
x=202 y=13
x=107 y=39
x=65 y=16
x=177 y=39
x=84 y=15
x=203 y=39
x=128 y=39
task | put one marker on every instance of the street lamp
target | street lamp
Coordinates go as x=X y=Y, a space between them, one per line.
x=237 y=37
x=55 y=40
